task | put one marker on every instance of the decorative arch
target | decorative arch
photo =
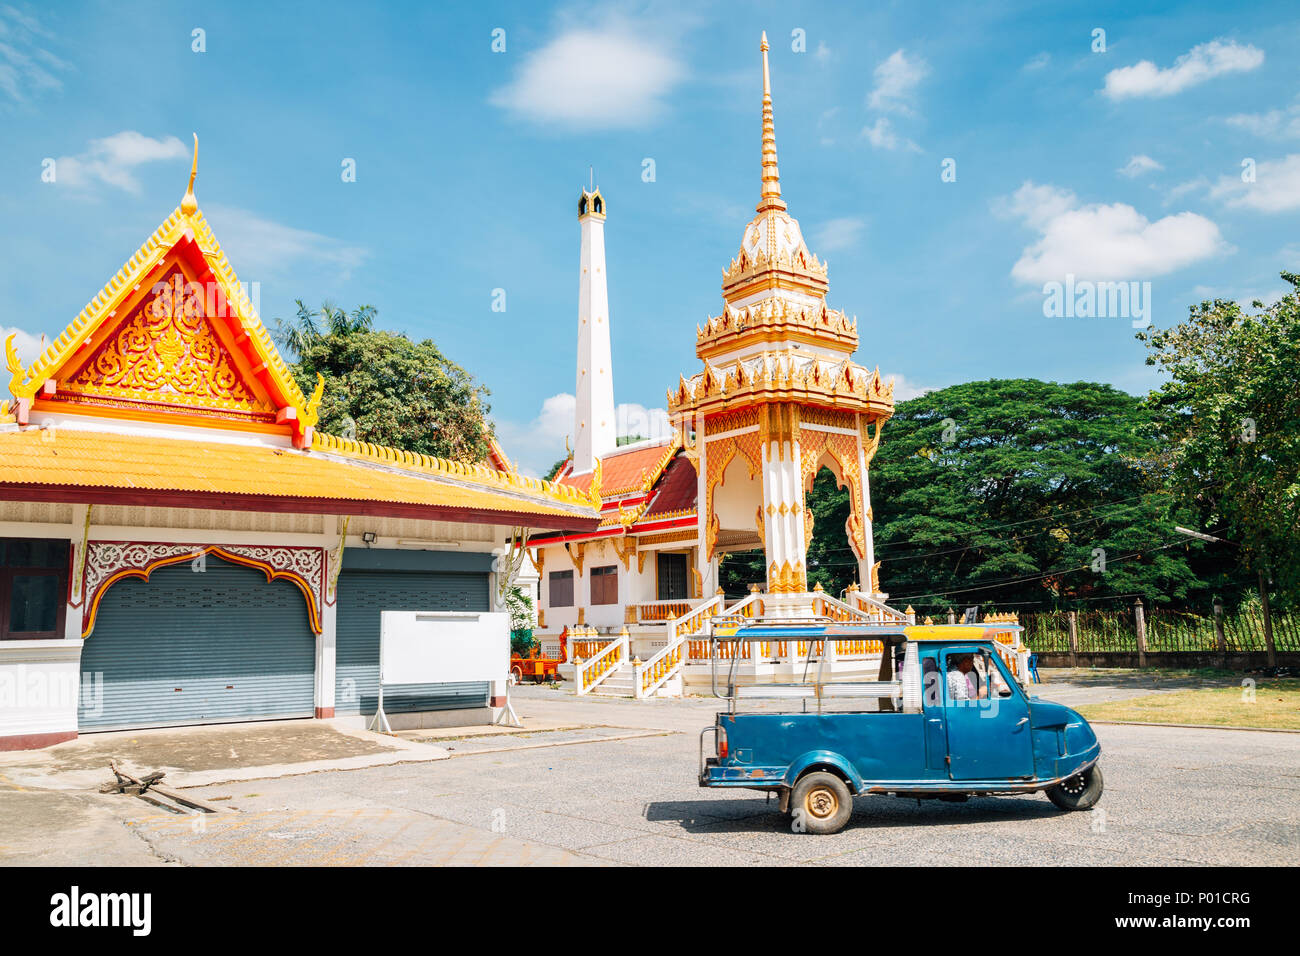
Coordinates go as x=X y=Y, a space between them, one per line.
x=717 y=472
x=816 y=447
x=108 y=562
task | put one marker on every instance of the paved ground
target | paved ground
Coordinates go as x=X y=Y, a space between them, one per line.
x=615 y=784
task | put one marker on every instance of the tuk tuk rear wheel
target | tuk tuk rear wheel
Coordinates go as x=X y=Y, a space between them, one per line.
x=821 y=803
x=1080 y=792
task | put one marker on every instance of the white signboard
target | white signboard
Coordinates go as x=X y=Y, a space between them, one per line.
x=434 y=647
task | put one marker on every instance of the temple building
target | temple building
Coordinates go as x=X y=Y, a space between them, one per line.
x=180 y=543
x=777 y=398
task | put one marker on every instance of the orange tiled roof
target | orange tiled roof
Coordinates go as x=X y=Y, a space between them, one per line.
x=337 y=472
x=627 y=471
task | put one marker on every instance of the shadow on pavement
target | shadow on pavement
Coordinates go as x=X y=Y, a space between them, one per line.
x=748 y=814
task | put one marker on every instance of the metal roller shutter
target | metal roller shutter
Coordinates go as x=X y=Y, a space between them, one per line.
x=187 y=647
x=362 y=595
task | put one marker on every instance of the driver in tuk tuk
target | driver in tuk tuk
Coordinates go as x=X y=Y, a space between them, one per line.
x=963 y=680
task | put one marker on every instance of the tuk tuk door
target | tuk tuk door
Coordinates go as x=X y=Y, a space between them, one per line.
x=989 y=735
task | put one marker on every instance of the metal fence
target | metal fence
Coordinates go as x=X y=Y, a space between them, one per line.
x=1166 y=630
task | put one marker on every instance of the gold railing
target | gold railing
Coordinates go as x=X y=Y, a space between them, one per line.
x=588 y=673
x=659 y=669
x=655 y=611
x=874 y=610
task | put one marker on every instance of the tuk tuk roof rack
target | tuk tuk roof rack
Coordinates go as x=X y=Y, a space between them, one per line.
x=826 y=629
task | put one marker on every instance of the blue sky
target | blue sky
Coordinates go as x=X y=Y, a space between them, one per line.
x=1125 y=164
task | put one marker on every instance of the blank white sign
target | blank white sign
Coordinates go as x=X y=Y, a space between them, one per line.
x=433 y=647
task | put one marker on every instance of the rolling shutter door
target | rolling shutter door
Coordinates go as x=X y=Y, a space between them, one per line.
x=362 y=595
x=187 y=647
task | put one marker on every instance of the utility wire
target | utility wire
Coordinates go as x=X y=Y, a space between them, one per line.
x=1037 y=577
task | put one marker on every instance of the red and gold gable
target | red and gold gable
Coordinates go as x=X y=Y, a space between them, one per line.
x=171 y=338
x=173 y=351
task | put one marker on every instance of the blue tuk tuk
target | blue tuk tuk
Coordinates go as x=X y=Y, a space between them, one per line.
x=953 y=723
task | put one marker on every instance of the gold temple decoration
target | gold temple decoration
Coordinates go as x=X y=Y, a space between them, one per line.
x=312 y=415
x=625 y=547
x=190 y=205
x=336 y=560
x=786 y=579
x=79 y=560
x=168 y=348
x=14 y=366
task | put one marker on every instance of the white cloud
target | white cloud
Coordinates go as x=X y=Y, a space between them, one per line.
x=881 y=135
x=1137 y=165
x=823 y=52
x=1275 y=124
x=1201 y=63
x=1037 y=62
x=897 y=77
x=1276 y=187
x=1175 y=193
x=836 y=234
x=1103 y=242
x=637 y=421
x=112 y=160
x=260 y=249
x=536 y=445
x=592 y=78
x=27 y=67
x=27 y=345
x=903 y=389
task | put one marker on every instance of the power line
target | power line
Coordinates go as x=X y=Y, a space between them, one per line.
x=1059 y=514
x=1038 y=577
x=1019 y=537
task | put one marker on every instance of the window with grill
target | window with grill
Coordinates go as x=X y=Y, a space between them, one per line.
x=604 y=585
x=33 y=588
x=561 y=589
x=672 y=577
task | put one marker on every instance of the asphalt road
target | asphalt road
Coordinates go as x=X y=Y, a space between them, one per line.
x=1173 y=797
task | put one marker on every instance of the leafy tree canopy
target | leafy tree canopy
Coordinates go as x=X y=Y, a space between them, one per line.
x=1230 y=414
x=381 y=387
x=1014 y=493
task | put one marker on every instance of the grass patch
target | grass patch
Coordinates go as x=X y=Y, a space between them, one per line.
x=1276 y=707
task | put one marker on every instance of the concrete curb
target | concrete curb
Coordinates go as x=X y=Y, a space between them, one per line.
x=1142 y=723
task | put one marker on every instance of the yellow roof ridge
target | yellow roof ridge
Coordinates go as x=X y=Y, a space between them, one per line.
x=477 y=473
x=96 y=312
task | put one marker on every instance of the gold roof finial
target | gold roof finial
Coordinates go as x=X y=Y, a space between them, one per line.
x=771 y=195
x=190 y=205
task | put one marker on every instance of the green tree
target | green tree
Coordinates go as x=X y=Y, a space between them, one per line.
x=1230 y=413
x=381 y=387
x=1023 y=492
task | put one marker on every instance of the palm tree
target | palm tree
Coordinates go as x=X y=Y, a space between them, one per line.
x=304 y=330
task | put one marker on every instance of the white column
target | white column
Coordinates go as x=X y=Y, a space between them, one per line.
x=702 y=562
x=325 y=661
x=74 y=617
x=869 y=556
x=594 y=427
x=326 y=643
x=783 y=504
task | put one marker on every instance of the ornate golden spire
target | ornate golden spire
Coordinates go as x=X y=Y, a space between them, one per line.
x=190 y=205
x=771 y=195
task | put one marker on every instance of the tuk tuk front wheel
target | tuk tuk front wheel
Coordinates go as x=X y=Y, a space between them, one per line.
x=821 y=803
x=1080 y=792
